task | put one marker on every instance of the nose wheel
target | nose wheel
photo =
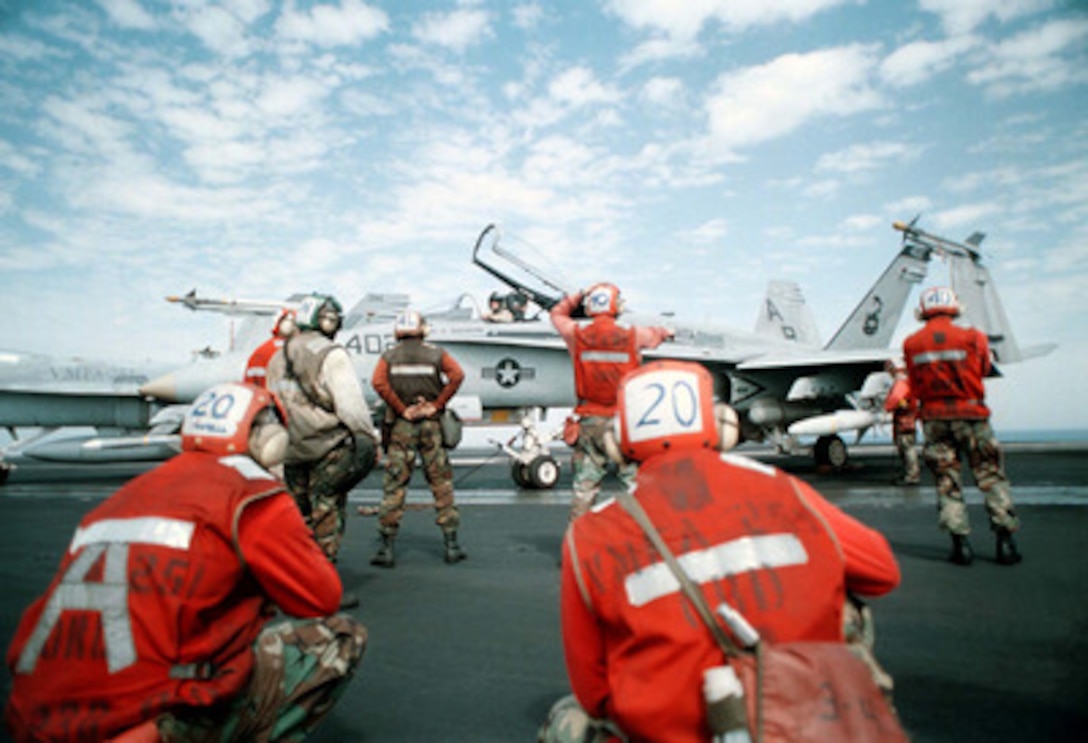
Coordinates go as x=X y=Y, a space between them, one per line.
x=540 y=473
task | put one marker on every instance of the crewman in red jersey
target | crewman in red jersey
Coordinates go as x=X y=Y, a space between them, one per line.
x=257 y=366
x=904 y=409
x=156 y=624
x=602 y=350
x=751 y=535
x=946 y=366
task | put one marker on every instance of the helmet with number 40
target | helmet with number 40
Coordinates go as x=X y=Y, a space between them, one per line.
x=663 y=406
x=937 y=300
x=236 y=418
x=602 y=299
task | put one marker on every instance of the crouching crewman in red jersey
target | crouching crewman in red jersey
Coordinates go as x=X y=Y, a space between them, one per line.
x=156 y=624
x=749 y=534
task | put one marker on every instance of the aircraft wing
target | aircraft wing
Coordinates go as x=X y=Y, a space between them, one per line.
x=24 y=408
x=823 y=375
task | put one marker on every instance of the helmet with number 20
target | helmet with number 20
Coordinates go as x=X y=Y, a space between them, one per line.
x=236 y=419
x=668 y=405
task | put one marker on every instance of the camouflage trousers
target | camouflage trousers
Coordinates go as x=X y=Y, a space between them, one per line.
x=947 y=441
x=590 y=462
x=568 y=722
x=407 y=439
x=907 y=445
x=302 y=667
x=321 y=488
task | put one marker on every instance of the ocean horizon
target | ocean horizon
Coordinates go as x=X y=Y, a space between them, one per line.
x=1011 y=435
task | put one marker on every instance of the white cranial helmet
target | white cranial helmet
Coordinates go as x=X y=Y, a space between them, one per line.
x=409 y=324
x=938 y=300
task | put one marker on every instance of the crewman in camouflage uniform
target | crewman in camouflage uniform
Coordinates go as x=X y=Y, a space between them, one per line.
x=333 y=443
x=947 y=365
x=416 y=380
x=602 y=351
x=904 y=410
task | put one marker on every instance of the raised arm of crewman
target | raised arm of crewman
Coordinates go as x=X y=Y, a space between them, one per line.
x=646 y=336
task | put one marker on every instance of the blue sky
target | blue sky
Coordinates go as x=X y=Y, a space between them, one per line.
x=687 y=151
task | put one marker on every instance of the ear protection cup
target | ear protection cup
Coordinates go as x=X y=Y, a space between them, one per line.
x=728 y=426
x=329 y=324
x=268 y=444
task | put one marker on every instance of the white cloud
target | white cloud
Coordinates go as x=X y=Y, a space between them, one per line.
x=711 y=232
x=527 y=15
x=861 y=222
x=578 y=86
x=686 y=19
x=761 y=103
x=456 y=30
x=863 y=157
x=966 y=216
x=350 y=22
x=248 y=10
x=1033 y=60
x=287 y=97
x=919 y=61
x=660 y=49
x=219 y=30
x=964 y=16
x=664 y=92
x=128 y=14
x=905 y=209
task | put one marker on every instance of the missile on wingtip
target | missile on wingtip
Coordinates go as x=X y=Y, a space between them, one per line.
x=229 y=306
x=833 y=423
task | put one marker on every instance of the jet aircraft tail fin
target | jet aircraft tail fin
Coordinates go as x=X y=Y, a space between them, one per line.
x=975 y=289
x=874 y=320
x=784 y=314
x=982 y=308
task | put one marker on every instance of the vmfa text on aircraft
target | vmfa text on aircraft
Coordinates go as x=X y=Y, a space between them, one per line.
x=784 y=384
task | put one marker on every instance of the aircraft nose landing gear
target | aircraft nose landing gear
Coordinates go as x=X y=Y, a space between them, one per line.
x=532 y=465
x=542 y=473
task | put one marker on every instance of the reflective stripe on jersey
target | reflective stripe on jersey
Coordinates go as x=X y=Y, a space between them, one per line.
x=714 y=563
x=412 y=370
x=931 y=357
x=608 y=357
x=247 y=467
x=739 y=460
x=161 y=532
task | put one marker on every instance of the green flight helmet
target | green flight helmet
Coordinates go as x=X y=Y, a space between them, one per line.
x=316 y=305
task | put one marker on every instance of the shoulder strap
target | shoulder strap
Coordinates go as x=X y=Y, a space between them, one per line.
x=694 y=595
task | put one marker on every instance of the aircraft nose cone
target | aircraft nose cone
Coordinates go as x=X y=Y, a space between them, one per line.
x=163 y=388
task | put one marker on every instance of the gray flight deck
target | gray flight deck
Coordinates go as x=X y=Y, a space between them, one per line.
x=471 y=653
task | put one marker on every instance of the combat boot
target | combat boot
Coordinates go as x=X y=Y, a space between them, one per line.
x=961 y=550
x=454 y=553
x=1007 y=551
x=383 y=558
